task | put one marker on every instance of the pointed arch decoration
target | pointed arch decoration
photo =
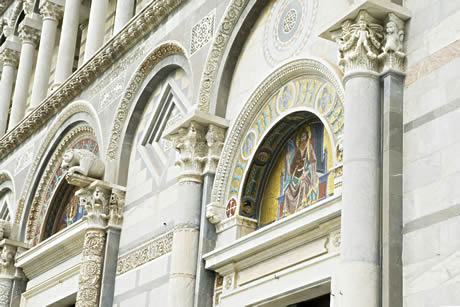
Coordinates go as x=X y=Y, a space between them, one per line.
x=121 y=115
x=307 y=85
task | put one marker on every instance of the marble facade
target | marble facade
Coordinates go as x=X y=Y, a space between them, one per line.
x=229 y=153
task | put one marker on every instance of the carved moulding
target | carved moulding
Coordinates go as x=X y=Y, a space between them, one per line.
x=245 y=119
x=149 y=18
x=216 y=52
x=159 y=53
x=147 y=252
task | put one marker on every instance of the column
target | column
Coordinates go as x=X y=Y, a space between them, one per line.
x=51 y=12
x=360 y=277
x=190 y=142
x=10 y=59
x=96 y=27
x=124 y=12
x=68 y=41
x=30 y=37
x=95 y=200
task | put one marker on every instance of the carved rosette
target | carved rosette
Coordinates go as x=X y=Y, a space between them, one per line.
x=9 y=57
x=51 y=10
x=367 y=43
x=29 y=34
x=89 y=282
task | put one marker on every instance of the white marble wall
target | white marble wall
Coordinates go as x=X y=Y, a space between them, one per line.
x=431 y=255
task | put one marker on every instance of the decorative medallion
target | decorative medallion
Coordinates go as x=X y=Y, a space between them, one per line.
x=202 y=32
x=288 y=28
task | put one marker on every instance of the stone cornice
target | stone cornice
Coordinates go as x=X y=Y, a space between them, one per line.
x=150 y=17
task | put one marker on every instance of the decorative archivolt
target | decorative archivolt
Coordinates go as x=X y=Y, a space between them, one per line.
x=317 y=78
x=134 y=84
x=79 y=107
x=39 y=204
x=216 y=52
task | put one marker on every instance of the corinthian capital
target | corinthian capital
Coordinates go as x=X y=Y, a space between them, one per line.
x=9 y=57
x=29 y=34
x=95 y=200
x=190 y=142
x=370 y=42
x=51 y=10
x=199 y=139
x=360 y=42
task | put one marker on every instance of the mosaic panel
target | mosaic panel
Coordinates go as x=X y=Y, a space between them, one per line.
x=306 y=93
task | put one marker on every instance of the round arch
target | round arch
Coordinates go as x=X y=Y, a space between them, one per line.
x=311 y=85
x=76 y=113
x=153 y=69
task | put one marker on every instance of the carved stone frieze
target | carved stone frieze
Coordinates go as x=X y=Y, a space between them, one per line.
x=9 y=57
x=393 y=56
x=150 y=17
x=145 y=253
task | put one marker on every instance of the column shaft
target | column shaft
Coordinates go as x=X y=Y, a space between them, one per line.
x=6 y=88
x=68 y=41
x=45 y=55
x=89 y=282
x=96 y=27
x=21 y=90
x=185 y=247
x=361 y=192
x=124 y=12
